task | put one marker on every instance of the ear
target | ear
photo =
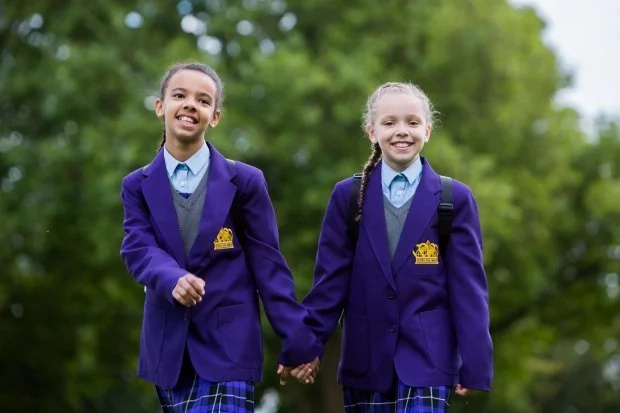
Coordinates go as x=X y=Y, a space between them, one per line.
x=159 y=108
x=370 y=131
x=216 y=118
x=427 y=132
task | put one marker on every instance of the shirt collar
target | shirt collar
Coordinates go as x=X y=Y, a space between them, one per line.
x=411 y=173
x=195 y=163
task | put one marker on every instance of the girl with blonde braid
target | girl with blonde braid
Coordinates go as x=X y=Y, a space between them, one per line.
x=416 y=320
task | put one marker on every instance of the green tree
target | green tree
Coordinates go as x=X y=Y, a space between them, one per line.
x=77 y=82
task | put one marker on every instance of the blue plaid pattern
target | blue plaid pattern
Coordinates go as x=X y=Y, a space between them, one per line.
x=200 y=395
x=401 y=399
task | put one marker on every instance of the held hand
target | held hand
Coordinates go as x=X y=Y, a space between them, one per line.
x=189 y=290
x=284 y=373
x=460 y=390
x=307 y=373
x=304 y=373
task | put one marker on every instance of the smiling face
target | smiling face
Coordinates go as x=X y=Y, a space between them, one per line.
x=400 y=126
x=188 y=107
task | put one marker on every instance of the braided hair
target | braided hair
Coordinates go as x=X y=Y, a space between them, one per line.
x=371 y=163
x=199 y=67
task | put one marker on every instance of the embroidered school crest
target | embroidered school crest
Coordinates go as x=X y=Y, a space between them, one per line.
x=224 y=240
x=426 y=253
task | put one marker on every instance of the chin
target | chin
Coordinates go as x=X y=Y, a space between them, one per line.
x=190 y=138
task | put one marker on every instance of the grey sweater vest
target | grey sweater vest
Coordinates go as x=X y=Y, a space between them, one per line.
x=395 y=221
x=189 y=212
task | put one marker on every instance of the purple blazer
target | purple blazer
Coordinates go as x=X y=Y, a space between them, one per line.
x=428 y=323
x=222 y=333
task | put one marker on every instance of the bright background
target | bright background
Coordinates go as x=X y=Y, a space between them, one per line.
x=586 y=37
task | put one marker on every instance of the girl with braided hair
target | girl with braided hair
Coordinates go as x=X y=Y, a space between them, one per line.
x=415 y=320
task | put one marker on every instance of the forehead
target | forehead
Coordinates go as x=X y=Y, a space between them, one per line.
x=194 y=81
x=399 y=103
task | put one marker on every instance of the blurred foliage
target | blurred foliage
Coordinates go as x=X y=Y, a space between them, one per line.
x=77 y=81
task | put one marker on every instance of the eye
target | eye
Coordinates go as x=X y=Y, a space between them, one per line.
x=414 y=123
x=177 y=95
x=205 y=101
x=388 y=123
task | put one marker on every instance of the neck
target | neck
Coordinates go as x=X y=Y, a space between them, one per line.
x=182 y=151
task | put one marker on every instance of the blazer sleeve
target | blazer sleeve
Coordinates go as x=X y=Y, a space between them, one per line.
x=272 y=275
x=334 y=262
x=146 y=261
x=468 y=293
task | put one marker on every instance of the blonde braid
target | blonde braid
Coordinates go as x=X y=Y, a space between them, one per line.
x=370 y=165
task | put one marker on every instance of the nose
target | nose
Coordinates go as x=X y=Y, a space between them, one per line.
x=188 y=104
x=401 y=130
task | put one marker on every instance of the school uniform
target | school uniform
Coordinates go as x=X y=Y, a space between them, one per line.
x=412 y=317
x=220 y=337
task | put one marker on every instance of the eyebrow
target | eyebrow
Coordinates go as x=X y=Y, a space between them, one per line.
x=182 y=89
x=407 y=116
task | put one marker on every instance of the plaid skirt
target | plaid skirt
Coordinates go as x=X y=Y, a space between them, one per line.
x=200 y=395
x=400 y=399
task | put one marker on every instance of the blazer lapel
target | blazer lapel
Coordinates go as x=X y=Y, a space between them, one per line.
x=423 y=207
x=158 y=195
x=373 y=224
x=218 y=202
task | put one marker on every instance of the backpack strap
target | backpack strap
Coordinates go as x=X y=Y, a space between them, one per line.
x=236 y=210
x=445 y=209
x=233 y=166
x=352 y=224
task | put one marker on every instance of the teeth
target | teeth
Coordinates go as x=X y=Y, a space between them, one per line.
x=402 y=144
x=186 y=119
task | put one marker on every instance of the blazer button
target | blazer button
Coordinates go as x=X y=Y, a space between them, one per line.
x=391 y=294
x=186 y=318
x=392 y=328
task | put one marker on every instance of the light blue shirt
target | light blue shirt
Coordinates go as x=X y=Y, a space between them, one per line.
x=185 y=176
x=398 y=187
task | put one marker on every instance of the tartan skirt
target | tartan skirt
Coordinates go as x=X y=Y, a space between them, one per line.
x=400 y=399
x=200 y=395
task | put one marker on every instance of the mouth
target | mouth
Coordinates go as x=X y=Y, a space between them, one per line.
x=402 y=145
x=187 y=119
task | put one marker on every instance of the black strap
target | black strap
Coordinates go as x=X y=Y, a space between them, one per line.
x=233 y=166
x=445 y=209
x=236 y=210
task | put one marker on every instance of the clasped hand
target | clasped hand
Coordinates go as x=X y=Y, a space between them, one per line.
x=189 y=290
x=304 y=373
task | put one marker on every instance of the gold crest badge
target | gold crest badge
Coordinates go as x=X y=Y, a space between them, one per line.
x=426 y=253
x=224 y=239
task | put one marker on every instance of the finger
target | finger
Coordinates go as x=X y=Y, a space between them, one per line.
x=300 y=371
x=295 y=371
x=280 y=369
x=198 y=284
x=316 y=366
x=191 y=294
x=304 y=374
x=461 y=391
x=179 y=298
x=284 y=376
x=308 y=377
